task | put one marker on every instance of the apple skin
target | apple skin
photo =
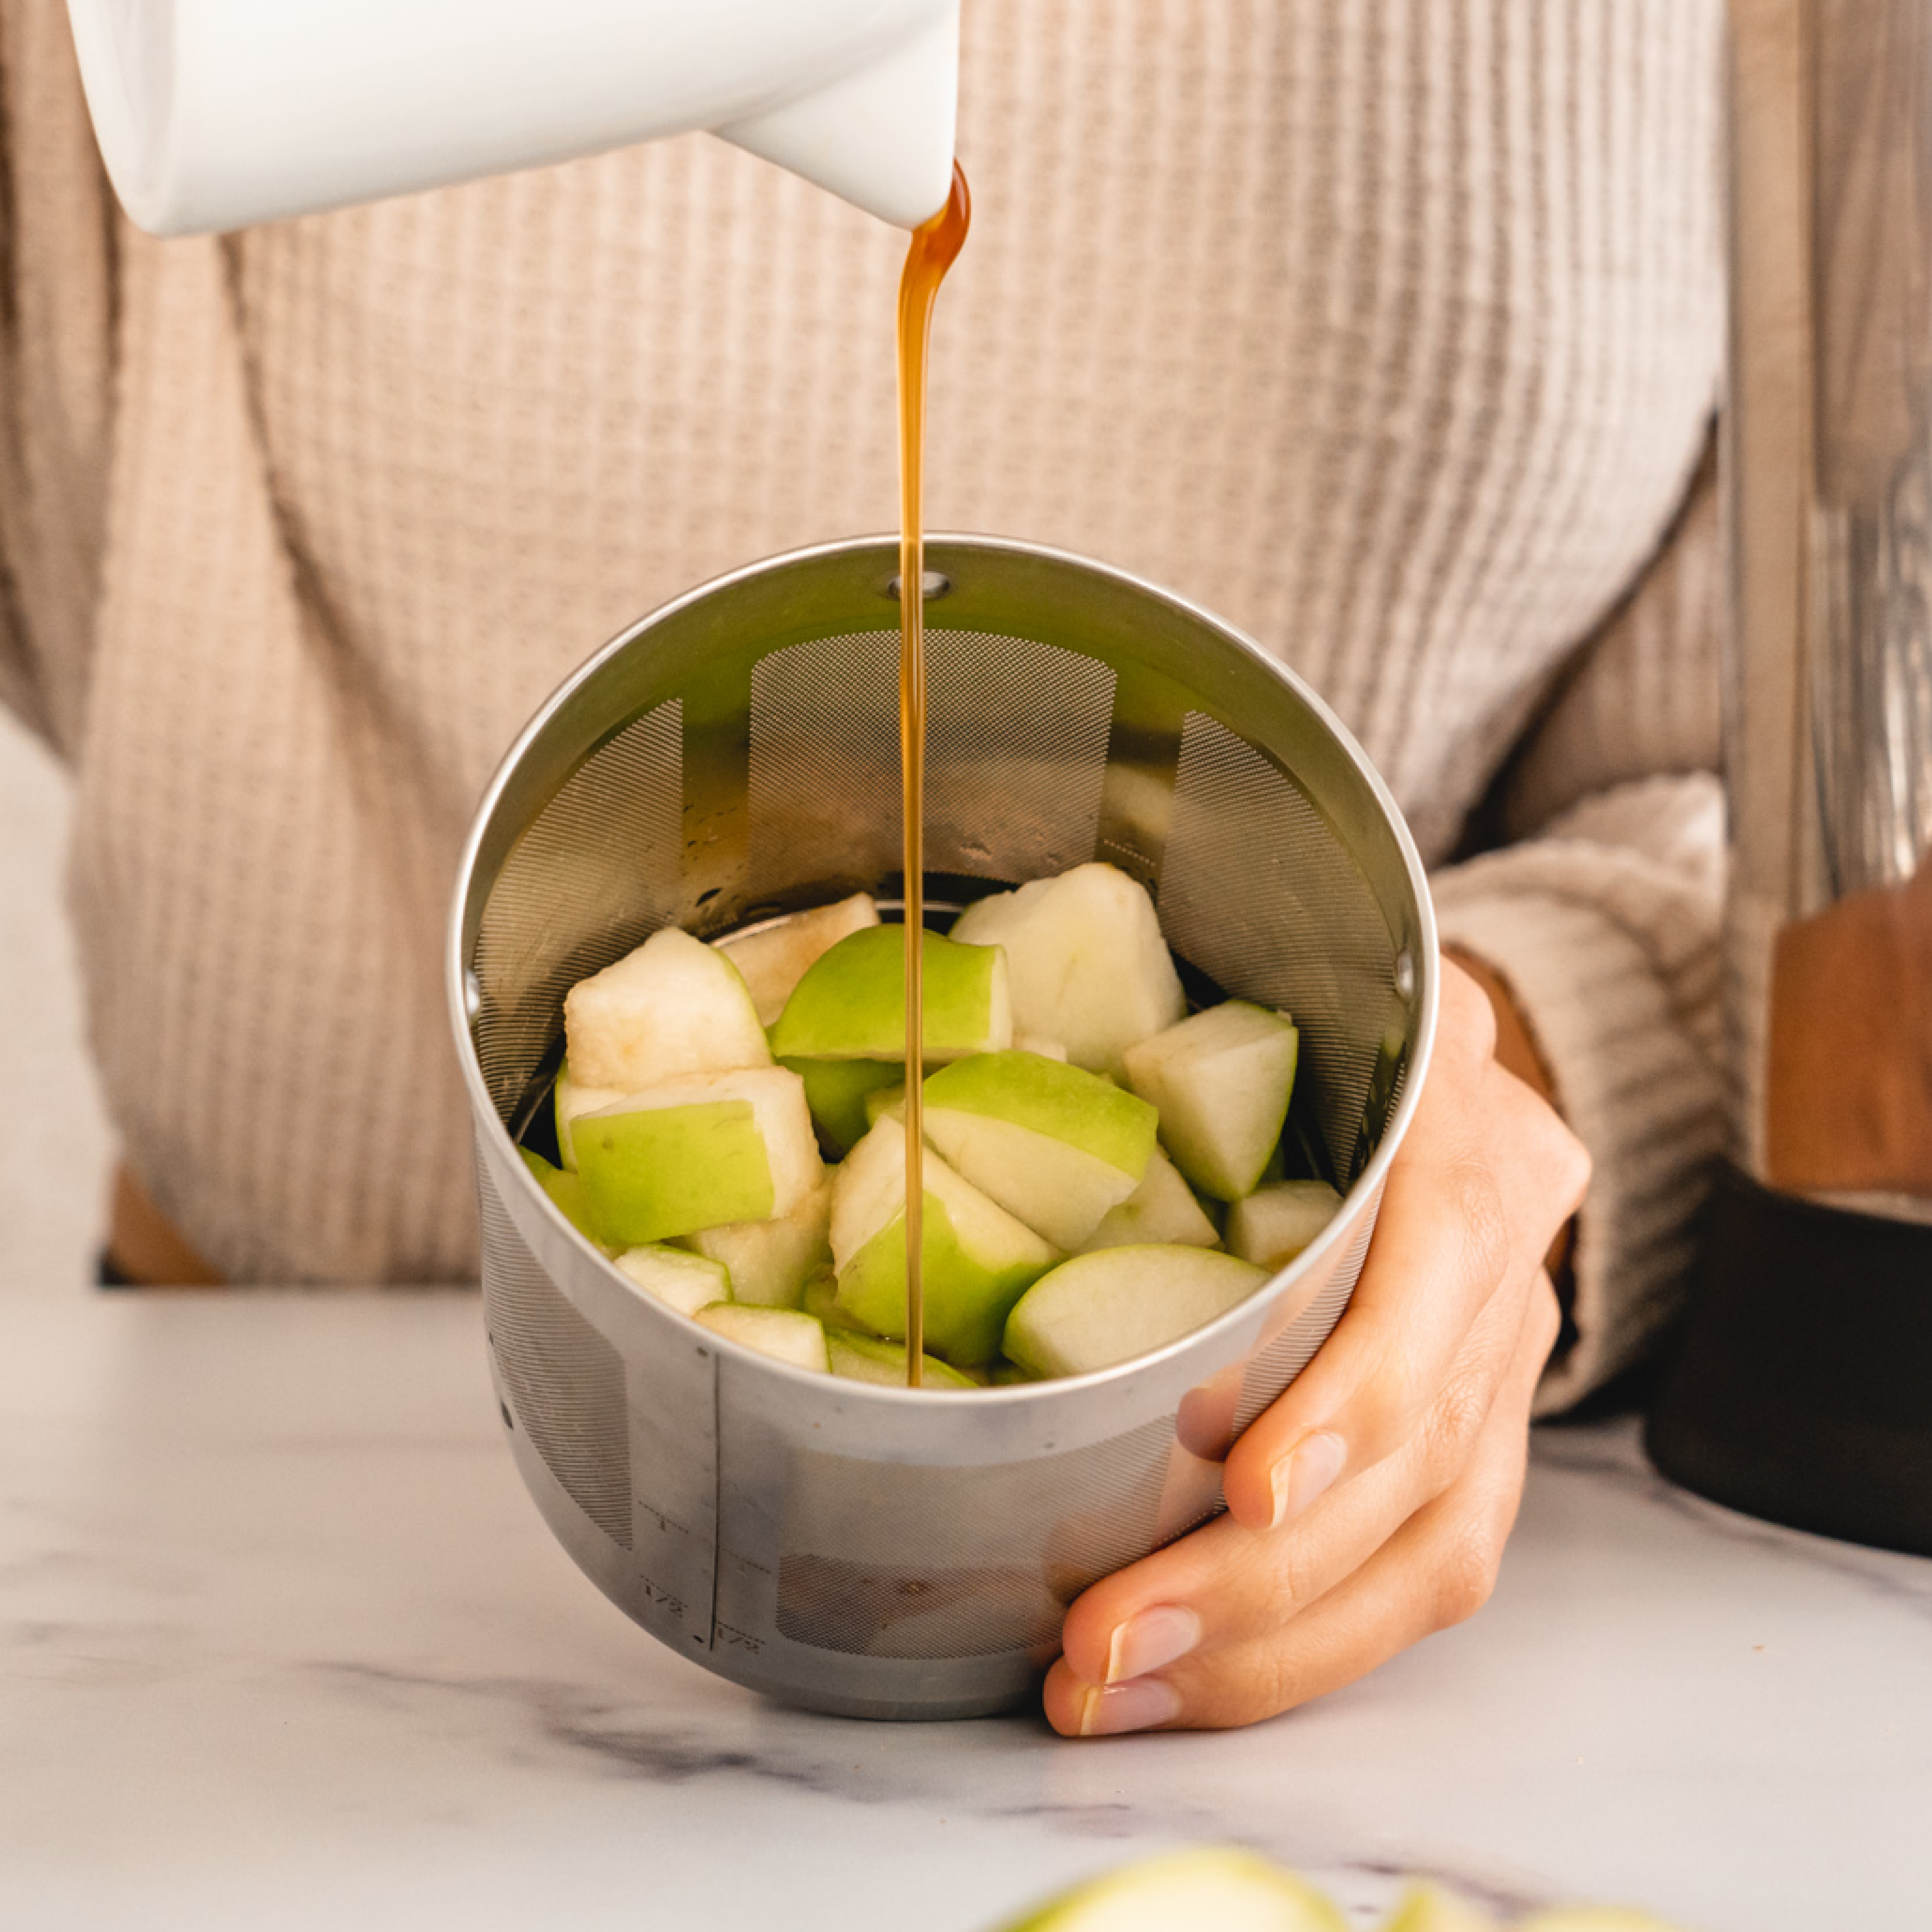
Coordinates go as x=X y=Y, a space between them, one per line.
x=568 y=1100
x=776 y=957
x=671 y=1006
x=836 y=1091
x=1221 y=1080
x=1055 y=1145
x=976 y=1259
x=1204 y=1889
x=869 y=1358
x=1089 y=970
x=566 y=1191
x=1097 y=1309
x=697 y=1153
x=850 y=1005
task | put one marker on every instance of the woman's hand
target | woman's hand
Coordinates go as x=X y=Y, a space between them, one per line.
x=1369 y=1506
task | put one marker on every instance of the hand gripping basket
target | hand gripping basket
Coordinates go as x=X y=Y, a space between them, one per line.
x=871 y=1550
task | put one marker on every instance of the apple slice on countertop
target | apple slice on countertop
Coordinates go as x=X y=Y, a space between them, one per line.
x=1089 y=967
x=850 y=1005
x=569 y=1100
x=566 y=1191
x=976 y=1259
x=674 y=1276
x=1214 y=1888
x=775 y=958
x=1427 y=1908
x=769 y=1262
x=674 y=1006
x=1099 y=1309
x=783 y=1333
x=1162 y=1209
x=1272 y=1226
x=870 y=1358
x=837 y=1090
x=1052 y=1144
x=1221 y=1080
x=698 y=1152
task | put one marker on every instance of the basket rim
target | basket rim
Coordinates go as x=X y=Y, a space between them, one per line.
x=1366 y=1184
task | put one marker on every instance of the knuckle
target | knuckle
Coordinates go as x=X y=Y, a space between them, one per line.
x=1454 y=1426
x=1484 y=1226
x=1466 y=1579
x=1468 y=1021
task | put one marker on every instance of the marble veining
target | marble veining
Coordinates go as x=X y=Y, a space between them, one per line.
x=282 y=1641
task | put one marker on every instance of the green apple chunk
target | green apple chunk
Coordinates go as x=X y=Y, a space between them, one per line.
x=1228 y=1890
x=836 y=1091
x=1108 y=1307
x=697 y=1153
x=1425 y=1908
x=570 y=1099
x=885 y=1103
x=820 y=1301
x=783 y=1333
x=1051 y=1143
x=769 y=1262
x=674 y=1006
x=1221 y=1080
x=869 y=1358
x=686 y=1281
x=1162 y=1209
x=568 y=1194
x=776 y=957
x=975 y=1260
x=1090 y=969
x=850 y=1005
x=1272 y=1226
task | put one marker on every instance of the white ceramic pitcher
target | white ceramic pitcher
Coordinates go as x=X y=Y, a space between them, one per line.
x=216 y=114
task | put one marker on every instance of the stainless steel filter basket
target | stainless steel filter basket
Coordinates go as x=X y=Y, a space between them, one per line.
x=868 y=1550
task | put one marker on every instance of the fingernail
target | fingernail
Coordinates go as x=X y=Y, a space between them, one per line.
x=1150 y=1638
x=1132 y=1706
x=1300 y=1478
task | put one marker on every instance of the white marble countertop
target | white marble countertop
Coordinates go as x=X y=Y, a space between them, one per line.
x=283 y=1644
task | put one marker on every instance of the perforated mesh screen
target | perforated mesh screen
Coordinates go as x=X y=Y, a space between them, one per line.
x=597 y=871
x=1016 y=748
x=565 y=1382
x=987 y=1579
x=1257 y=891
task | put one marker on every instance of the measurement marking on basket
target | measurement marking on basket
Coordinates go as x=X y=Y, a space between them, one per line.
x=654 y=1593
x=742 y=1639
x=666 y=1523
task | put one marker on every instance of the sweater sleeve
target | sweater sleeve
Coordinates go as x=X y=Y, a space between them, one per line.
x=57 y=328
x=1602 y=920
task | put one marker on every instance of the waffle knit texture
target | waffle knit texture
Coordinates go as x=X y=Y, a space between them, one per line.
x=1390 y=332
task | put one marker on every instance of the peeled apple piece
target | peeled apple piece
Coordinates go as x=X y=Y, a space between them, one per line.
x=776 y=957
x=869 y=1358
x=1425 y=1908
x=674 y=1006
x=1055 y=1145
x=682 y=1280
x=851 y=1004
x=1210 y=1890
x=1221 y=1080
x=783 y=1333
x=769 y=1262
x=976 y=1259
x=1090 y=969
x=1162 y=1208
x=1099 y=1309
x=697 y=1153
x=571 y=1099
x=1273 y=1225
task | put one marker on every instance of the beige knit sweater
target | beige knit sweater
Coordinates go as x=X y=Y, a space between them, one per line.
x=1390 y=330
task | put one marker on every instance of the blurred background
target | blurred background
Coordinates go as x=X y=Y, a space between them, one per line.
x=53 y=1178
